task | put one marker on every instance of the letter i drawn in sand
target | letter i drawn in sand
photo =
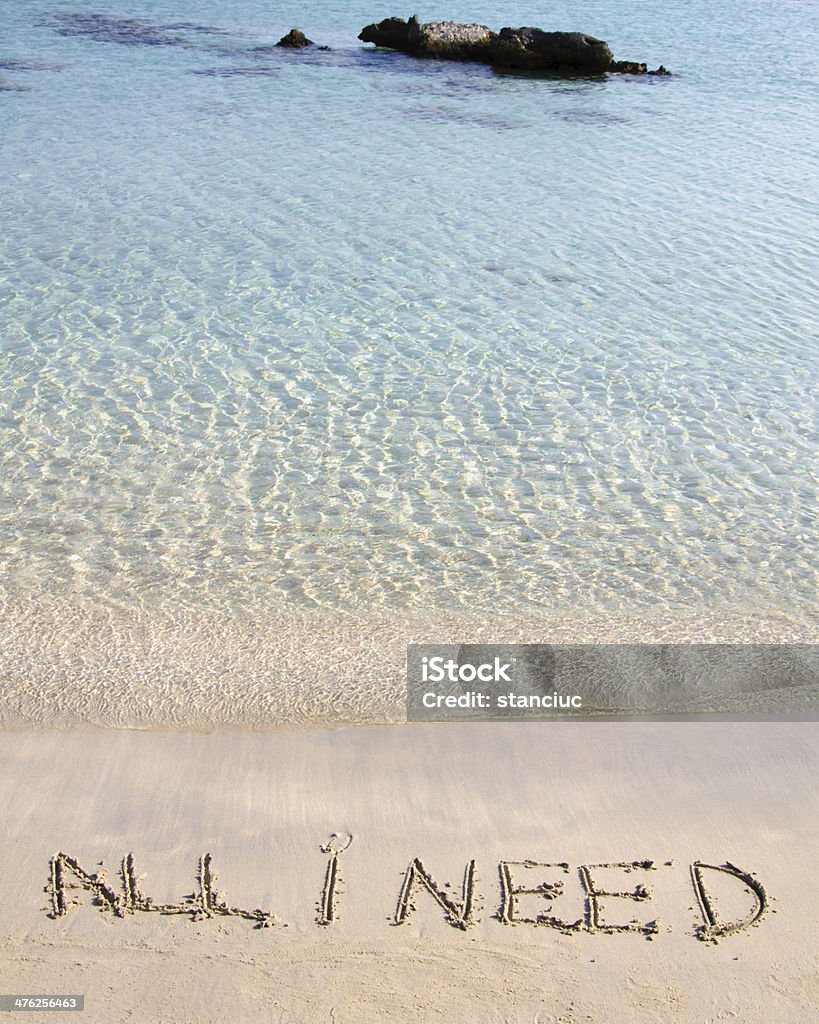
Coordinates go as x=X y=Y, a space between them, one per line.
x=334 y=847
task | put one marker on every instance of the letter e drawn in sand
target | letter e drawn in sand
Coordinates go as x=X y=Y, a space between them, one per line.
x=327 y=908
x=594 y=921
x=508 y=913
x=458 y=912
x=713 y=928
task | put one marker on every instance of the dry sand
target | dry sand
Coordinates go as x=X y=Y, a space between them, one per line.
x=263 y=803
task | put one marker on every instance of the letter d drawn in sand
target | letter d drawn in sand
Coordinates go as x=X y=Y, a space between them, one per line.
x=713 y=928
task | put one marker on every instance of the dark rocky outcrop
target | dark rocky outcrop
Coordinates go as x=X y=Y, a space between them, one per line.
x=631 y=67
x=391 y=33
x=444 y=40
x=528 y=49
x=295 y=40
x=628 y=67
x=447 y=40
x=535 y=50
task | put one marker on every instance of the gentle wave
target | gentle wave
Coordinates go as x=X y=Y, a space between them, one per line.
x=64 y=667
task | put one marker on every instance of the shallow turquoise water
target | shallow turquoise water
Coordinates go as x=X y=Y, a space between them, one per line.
x=349 y=330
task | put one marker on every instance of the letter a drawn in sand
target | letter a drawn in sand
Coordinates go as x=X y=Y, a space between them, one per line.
x=63 y=867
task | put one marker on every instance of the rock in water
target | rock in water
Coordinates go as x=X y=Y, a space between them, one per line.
x=444 y=40
x=448 y=40
x=294 y=40
x=628 y=67
x=533 y=49
x=391 y=33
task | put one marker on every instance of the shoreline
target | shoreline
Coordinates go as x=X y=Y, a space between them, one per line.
x=64 y=667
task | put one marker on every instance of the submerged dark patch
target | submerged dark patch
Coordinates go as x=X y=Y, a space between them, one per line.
x=189 y=26
x=449 y=116
x=6 y=86
x=252 y=72
x=128 y=31
x=448 y=89
x=104 y=29
x=590 y=117
x=29 y=65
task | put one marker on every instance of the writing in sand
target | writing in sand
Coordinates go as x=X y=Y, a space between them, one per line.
x=527 y=892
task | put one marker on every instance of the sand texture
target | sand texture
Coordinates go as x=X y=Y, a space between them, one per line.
x=377 y=874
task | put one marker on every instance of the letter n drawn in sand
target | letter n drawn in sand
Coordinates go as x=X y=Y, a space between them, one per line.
x=510 y=891
x=713 y=928
x=594 y=920
x=458 y=912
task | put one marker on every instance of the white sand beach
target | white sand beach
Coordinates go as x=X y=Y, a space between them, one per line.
x=310 y=355
x=557 y=793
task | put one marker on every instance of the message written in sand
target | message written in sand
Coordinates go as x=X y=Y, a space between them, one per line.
x=528 y=891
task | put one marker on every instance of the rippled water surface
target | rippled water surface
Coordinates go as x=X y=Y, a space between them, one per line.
x=342 y=329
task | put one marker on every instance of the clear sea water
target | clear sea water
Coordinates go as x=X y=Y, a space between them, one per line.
x=345 y=330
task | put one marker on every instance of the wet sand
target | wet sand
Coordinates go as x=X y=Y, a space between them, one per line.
x=65 y=666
